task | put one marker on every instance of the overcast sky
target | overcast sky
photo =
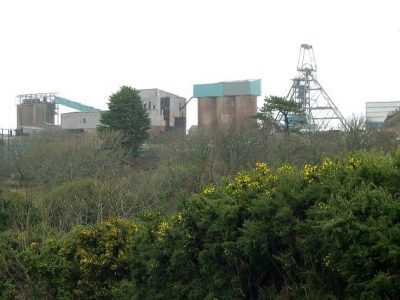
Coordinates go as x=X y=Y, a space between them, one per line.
x=85 y=50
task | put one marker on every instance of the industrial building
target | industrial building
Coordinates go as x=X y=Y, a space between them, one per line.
x=38 y=112
x=35 y=109
x=377 y=112
x=166 y=111
x=81 y=121
x=223 y=104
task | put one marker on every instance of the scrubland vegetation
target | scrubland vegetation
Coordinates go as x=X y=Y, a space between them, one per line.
x=240 y=214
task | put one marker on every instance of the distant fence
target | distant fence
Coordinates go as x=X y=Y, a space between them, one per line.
x=5 y=136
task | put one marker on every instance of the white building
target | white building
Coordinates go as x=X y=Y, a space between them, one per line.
x=84 y=121
x=377 y=112
x=165 y=110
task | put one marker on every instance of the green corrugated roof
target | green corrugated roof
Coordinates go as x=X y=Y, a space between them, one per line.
x=74 y=105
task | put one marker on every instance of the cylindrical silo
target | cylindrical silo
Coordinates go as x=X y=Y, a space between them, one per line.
x=245 y=109
x=207 y=113
x=225 y=111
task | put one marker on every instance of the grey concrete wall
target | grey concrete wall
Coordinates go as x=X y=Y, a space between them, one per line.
x=35 y=113
x=152 y=101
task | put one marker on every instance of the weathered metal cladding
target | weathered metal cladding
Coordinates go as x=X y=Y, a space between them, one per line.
x=35 y=113
x=245 y=109
x=207 y=113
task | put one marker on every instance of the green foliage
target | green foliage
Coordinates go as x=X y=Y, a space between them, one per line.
x=84 y=264
x=355 y=134
x=87 y=201
x=329 y=230
x=356 y=226
x=15 y=280
x=127 y=116
x=281 y=106
x=18 y=213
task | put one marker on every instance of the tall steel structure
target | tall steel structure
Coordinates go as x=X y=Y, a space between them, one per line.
x=320 y=111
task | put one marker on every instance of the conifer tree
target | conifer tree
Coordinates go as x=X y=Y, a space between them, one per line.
x=128 y=117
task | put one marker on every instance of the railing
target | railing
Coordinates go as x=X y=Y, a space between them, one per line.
x=6 y=135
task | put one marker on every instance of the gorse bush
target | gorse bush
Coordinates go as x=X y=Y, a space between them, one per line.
x=323 y=231
x=18 y=213
x=83 y=264
x=327 y=230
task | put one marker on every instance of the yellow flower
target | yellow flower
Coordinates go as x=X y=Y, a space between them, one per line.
x=33 y=245
x=208 y=191
x=354 y=162
x=310 y=172
x=262 y=167
x=178 y=217
x=326 y=164
x=162 y=229
x=242 y=179
x=285 y=169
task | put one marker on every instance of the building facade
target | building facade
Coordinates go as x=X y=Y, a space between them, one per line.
x=166 y=111
x=83 y=121
x=377 y=112
x=35 y=109
x=224 y=104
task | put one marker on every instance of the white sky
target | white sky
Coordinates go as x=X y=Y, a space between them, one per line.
x=87 y=49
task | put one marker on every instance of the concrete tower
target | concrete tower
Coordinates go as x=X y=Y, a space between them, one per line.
x=223 y=104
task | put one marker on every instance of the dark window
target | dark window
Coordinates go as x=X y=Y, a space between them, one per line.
x=149 y=105
x=84 y=121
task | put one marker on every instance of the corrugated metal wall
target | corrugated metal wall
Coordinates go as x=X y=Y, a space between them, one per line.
x=377 y=112
x=80 y=120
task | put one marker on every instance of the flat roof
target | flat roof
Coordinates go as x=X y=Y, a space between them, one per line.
x=249 y=87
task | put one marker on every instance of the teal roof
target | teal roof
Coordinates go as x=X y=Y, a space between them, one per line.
x=208 y=90
x=75 y=105
x=228 y=88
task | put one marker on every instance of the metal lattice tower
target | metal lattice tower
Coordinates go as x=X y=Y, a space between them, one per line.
x=320 y=111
